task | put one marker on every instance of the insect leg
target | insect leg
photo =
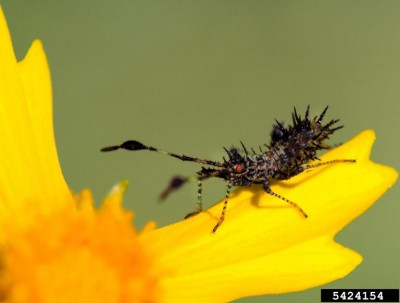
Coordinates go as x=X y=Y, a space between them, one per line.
x=293 y=204
x=199 y=208
x=309 y=166
x=222 y=217
x=199 y=195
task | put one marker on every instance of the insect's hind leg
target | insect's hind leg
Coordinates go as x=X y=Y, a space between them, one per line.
x=310 y=166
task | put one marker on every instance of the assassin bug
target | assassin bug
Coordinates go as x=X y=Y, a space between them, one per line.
x=288 y=154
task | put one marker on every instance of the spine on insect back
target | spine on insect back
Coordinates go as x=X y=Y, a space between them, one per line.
x=297 y=144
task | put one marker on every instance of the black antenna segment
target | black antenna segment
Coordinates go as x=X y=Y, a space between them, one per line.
x=133 y=145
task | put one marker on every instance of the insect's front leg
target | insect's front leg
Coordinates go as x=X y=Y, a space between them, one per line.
x=199 y=208
x=204 y=174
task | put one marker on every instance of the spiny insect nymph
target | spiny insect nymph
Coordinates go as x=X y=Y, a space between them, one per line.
x=290 y=150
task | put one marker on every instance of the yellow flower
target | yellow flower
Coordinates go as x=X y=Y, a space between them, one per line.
x=56 y=247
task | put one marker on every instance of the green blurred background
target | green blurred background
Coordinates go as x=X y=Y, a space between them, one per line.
x=193 y=76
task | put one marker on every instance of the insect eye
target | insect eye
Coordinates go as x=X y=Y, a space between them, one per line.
x=239 y=168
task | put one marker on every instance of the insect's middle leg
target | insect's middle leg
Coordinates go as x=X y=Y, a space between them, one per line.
x=293 y=204
x=222 y=216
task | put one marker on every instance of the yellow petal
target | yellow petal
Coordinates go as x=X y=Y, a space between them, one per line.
x=299 y=267
x=263 y=233
x=28 y=158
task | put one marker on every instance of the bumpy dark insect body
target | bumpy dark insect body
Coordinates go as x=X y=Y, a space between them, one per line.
x=290 y=150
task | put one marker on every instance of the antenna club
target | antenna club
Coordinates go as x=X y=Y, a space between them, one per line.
x=133 y=145
x=129 y=145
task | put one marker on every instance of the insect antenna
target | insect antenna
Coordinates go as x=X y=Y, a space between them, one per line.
x=134 y=145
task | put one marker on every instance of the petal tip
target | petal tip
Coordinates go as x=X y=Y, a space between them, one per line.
x=119 y=188
x=365 y=140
